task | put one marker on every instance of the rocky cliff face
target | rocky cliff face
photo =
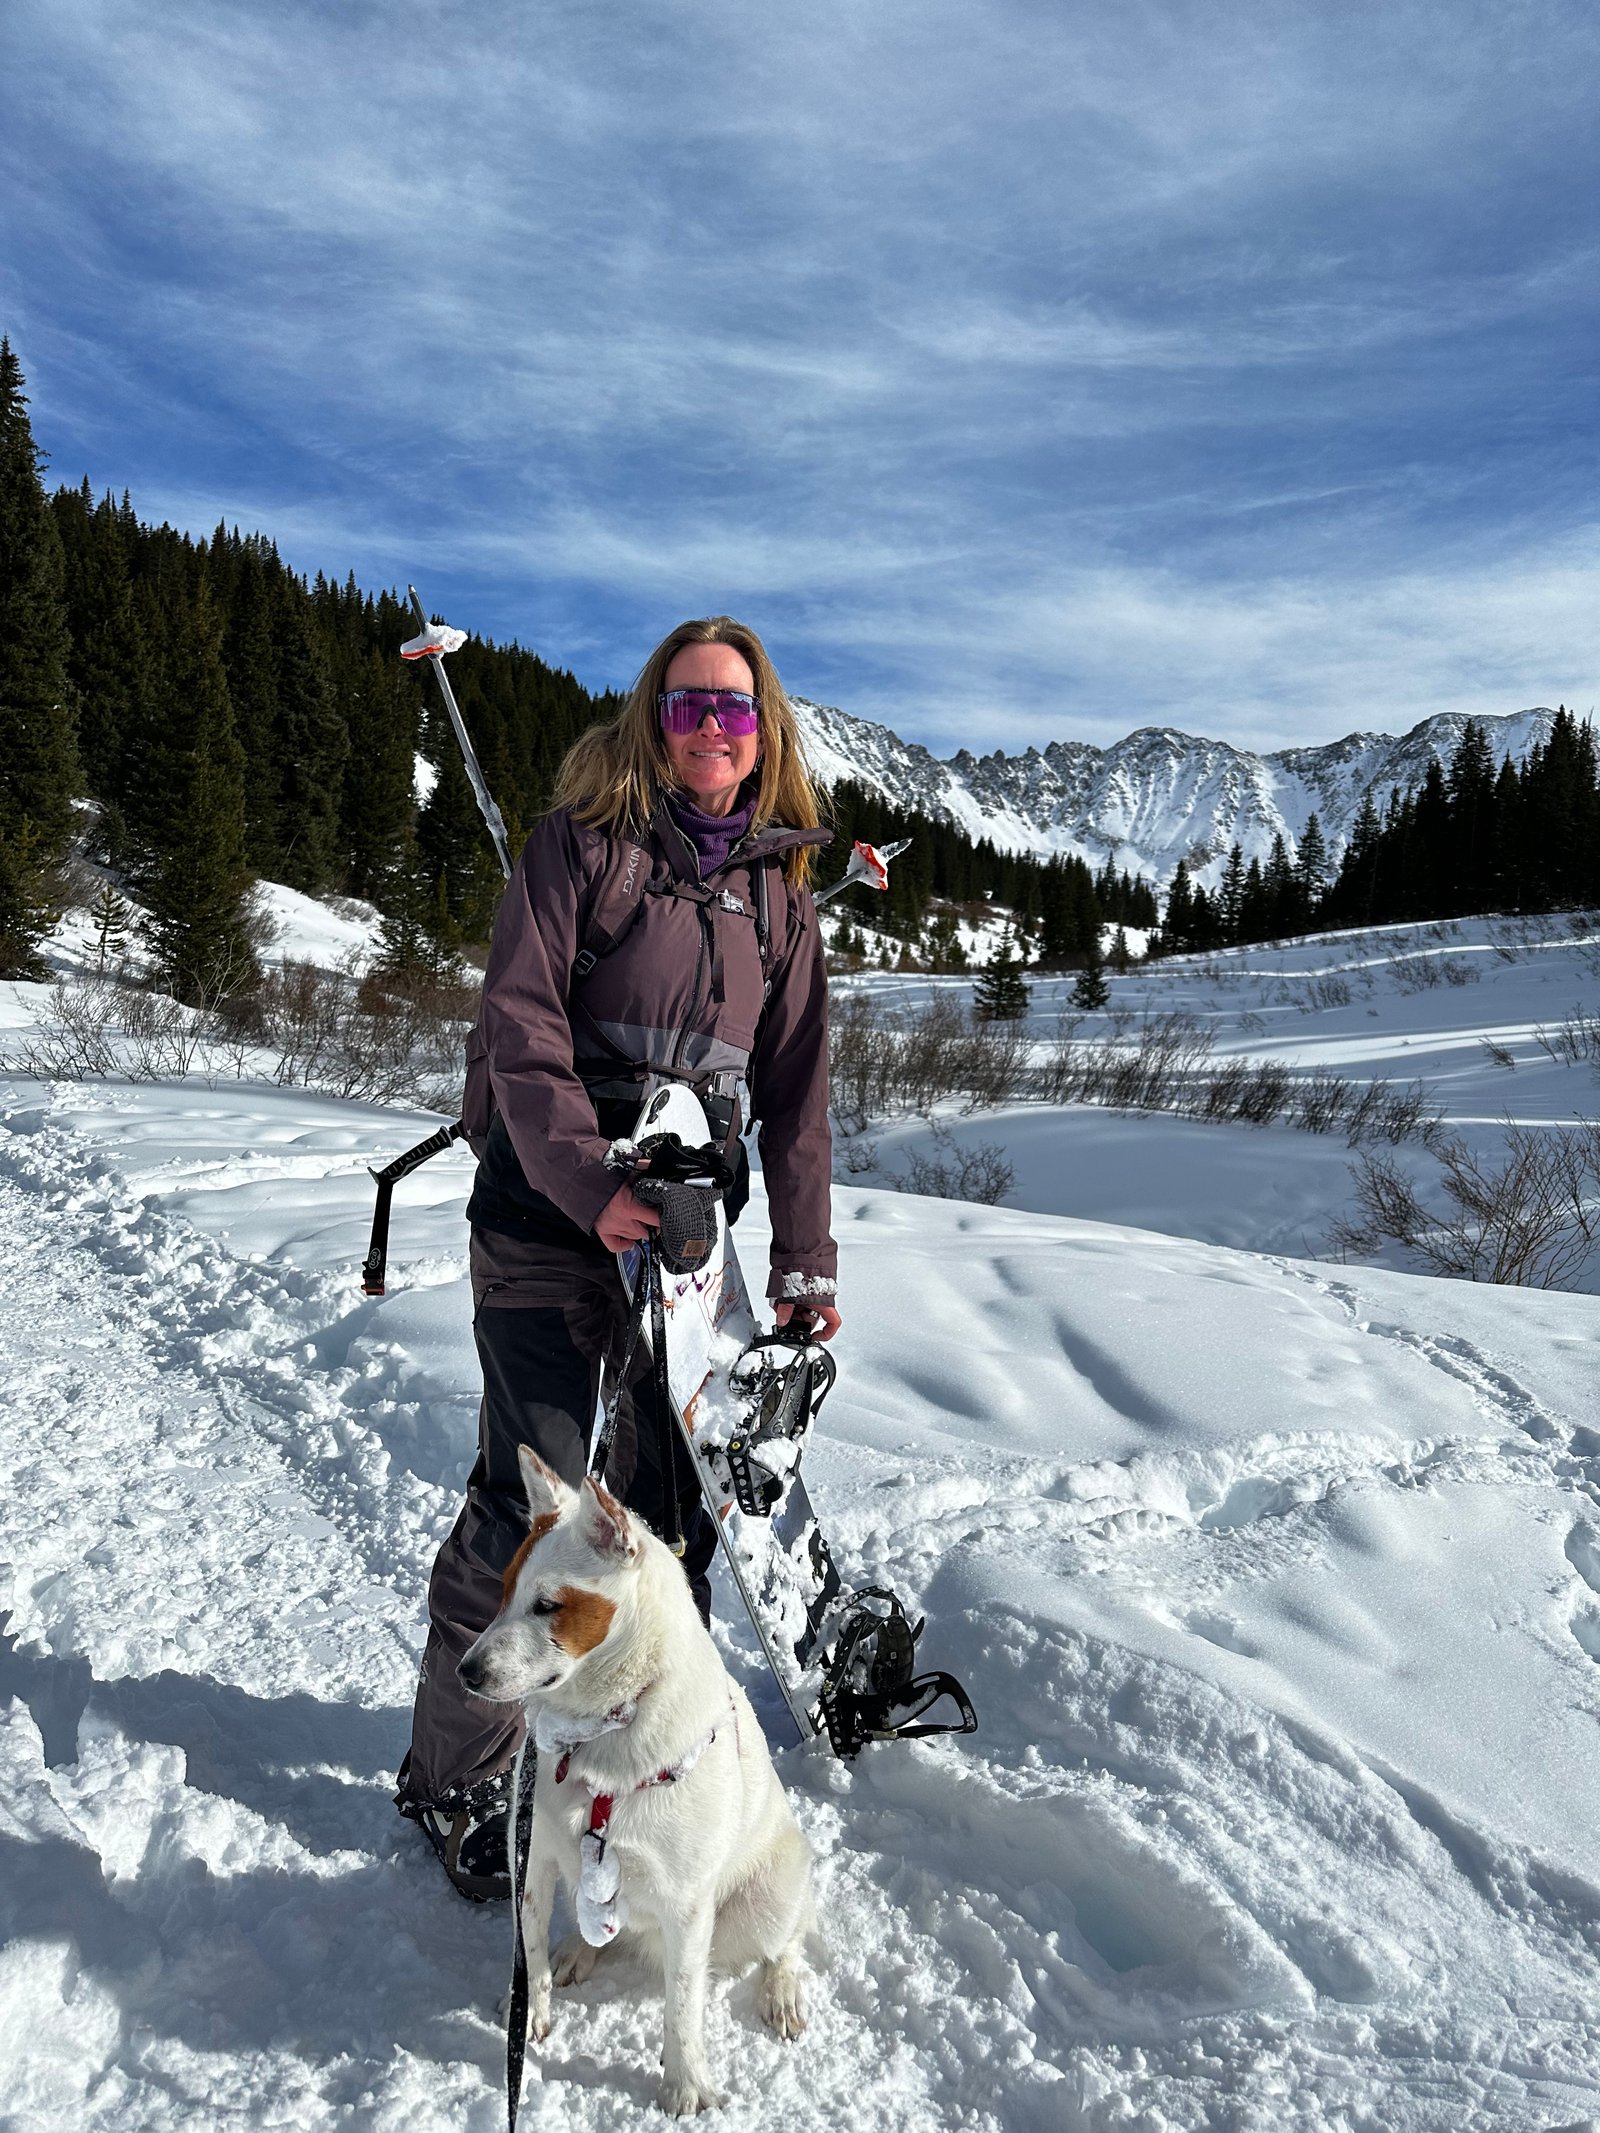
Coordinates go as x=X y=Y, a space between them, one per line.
x=1155 y=798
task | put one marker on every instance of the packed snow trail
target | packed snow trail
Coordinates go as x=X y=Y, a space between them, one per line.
x=1278 y=1587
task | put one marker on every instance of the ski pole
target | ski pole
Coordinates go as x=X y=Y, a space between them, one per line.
x=431 y=644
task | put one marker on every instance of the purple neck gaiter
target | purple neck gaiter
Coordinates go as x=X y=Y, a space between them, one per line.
x=713 y=836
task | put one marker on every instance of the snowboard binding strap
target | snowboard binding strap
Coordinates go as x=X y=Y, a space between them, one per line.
x=869 y=1691
x=788 y=1394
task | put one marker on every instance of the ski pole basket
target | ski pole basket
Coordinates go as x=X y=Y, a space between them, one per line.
x=869 y=1689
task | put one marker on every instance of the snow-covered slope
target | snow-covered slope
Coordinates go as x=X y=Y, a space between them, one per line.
x=1457 y=1007
x=1277 y=1584
x=1155 y=798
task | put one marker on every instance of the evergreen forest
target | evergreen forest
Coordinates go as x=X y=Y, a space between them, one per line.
x=1470 y=838
x=226 y=719
x=231 y=720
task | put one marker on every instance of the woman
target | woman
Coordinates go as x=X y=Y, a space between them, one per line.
x=658 y=922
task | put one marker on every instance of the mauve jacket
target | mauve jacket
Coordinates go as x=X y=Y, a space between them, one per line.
x=683 y=989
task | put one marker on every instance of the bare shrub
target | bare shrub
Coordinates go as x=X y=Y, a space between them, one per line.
x=930 y=1052
x=1330 y=989
x=860 y=1059
x=1529 y=1220
x=1319 y=1102
x=996 y=1058
x=1060 y=1074
x=1416 y=973
x=1380 y=1111
x=1265 y=1092
x=75 y=1039
x=980 y=1173
x=1223 y=1089
x=1497 y=1054
x=1573 y=1041
x=1364 y=1108
x=164 y=1037
x=1459 y=970
x=883 y=1061
x=1406 y=1113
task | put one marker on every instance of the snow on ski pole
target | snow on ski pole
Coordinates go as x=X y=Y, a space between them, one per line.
x=432 y=641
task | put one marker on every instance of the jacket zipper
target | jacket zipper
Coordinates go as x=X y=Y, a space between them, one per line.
x=706 y=942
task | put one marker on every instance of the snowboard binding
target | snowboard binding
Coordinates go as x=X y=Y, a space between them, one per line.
x=783 y=1379
x=869 y=1689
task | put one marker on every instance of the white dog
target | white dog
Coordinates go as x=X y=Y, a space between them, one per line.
x=655 y=1799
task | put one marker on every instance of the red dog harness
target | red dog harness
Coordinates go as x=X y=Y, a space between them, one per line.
x=601 y=1911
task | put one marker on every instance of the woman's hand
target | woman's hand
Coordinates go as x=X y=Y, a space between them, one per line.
x=825 y=1320
x=624 y=1220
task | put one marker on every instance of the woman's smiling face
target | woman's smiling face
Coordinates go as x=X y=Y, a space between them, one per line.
x=708 y=764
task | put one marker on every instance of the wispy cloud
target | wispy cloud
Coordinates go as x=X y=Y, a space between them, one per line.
x=1021 y=371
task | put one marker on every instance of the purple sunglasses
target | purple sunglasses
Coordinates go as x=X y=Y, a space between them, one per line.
x=683 y=709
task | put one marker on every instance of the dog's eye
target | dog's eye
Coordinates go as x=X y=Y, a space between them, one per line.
x=545 y=1607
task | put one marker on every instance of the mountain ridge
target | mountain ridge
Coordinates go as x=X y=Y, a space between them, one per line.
x=1156 y=796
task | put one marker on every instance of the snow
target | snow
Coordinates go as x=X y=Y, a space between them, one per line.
x=1276 y=1188
x=1276 y=1583
x=342 y=934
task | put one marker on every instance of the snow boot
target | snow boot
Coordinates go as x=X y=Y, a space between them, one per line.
x=470 y=1830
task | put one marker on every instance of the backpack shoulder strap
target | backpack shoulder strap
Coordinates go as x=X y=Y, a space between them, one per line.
x=614 y=903
x=776 y=912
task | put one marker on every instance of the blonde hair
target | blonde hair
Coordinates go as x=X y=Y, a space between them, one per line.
x=611 y=775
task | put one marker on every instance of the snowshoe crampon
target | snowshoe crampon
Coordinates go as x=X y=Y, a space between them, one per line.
x=870 y=1690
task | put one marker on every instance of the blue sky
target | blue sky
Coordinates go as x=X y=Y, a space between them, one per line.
x=1023 y=371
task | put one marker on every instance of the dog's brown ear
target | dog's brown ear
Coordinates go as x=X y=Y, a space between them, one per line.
x=603 y=1522
x=546 y=1491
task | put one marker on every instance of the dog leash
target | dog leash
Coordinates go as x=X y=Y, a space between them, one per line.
x=517 y=2009
x=650 y=1296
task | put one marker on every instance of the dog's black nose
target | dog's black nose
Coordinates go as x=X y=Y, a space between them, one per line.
x=470 y=1672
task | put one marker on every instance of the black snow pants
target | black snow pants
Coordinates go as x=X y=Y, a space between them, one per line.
x=544 y=1319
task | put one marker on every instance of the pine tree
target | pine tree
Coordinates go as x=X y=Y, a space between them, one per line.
x=38 y=754
x=1121 y=955
x=192 y=865
x=1231 y=894
x=1177 y=927
x=251 y=663
x=111 y=917
x=1001 y=993
x=379 y=806
x=1090 y=990
x=455 y=848
x=108 y=664
x=1311 y=867
x=310 y=742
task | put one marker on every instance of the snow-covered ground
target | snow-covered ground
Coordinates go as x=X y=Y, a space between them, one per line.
x=1276 y=1582
x=1396 y=1004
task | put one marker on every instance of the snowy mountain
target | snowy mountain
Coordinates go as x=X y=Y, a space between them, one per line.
x=1155 y=798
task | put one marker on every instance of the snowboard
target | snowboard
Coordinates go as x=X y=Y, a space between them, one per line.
x=744 y=1403
x=780 y=1563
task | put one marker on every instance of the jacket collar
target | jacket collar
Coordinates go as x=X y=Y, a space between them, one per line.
x=766 y=843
